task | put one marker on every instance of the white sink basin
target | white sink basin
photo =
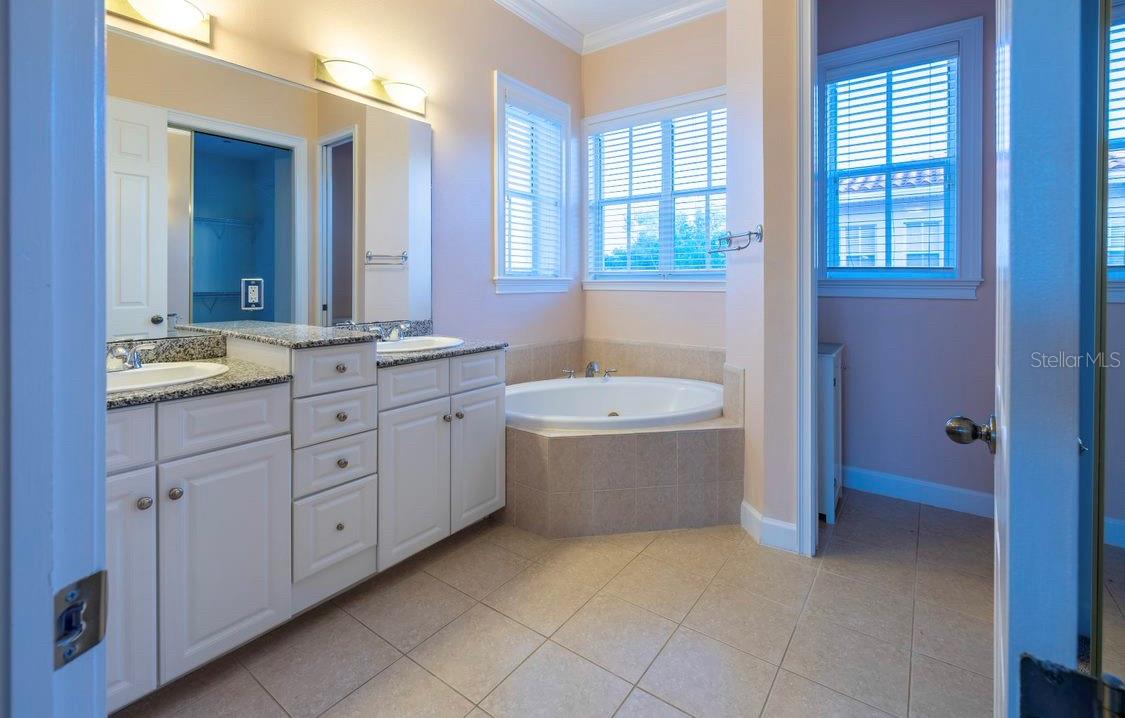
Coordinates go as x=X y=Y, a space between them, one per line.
x=418 y=344
x=162 y=374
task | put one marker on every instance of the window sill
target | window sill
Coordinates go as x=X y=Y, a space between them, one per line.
x=900 y=288
x=532 y=285
x=655 y=285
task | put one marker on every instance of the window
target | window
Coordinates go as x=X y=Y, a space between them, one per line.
x=657 y=195
x=900 y=146
x=1115 y=225
x=531 y=134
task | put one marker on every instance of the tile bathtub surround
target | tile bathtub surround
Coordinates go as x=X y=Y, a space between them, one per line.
x=651 y=359
x=564 y=486
x=695 y=622
x=181 y=348
x=536 y=362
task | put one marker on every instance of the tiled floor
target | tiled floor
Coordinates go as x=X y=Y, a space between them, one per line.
x=894 y=618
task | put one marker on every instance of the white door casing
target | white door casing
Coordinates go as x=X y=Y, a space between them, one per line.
x=136 y=216
x=477 y=452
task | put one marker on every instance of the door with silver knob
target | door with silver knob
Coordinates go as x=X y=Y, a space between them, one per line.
x=963 y=430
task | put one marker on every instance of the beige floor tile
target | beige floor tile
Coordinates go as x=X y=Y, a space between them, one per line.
x=1113 y=643
x=939 y=690
x=963 y=553
x=556 y=682
x=520 y=542
x=704 y=677
x=745 y=620
x=403 y=689
x=953 y=589
x=636 y=542
x=955 y=523
x=241 y=697
x=661 y=588
x=881 y=508
x=889 y=568
x=407 y=610
x=863 y=607
x=699 y=551
x=851 y=663
x=953 y=637
x=316 y=660
x=616 y=635
x=795 y=697
x=593 y=561
x=477 y=567
x=540 y=598
x=478 y=713
x=475 y=652
x=777 y=575
x=644 y=705
x=862 y=527
x=185 y=690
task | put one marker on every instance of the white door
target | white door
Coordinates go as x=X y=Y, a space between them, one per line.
x=224 y=551
x=477 y=452
x=130 y=547
x=413 y=479
x=136 y=217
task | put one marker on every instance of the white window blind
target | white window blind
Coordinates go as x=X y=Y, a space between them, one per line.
x=657 y=199
x=1115 y=235
x=892 y=140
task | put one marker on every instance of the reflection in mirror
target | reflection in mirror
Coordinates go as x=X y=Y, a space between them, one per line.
x=233 y=195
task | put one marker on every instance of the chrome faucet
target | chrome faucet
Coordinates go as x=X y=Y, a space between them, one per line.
x=396 y=332
x=592 y=369
x=130 y=355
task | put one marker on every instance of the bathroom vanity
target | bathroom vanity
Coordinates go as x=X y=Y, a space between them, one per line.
x=316 y=461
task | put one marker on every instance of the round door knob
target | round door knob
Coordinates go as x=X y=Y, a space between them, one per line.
x=156 y=319
x=176 y=494
x=341 y=416
x=460 y=415
x=144 y=503
x=963 y=430
x=342 y=463
x=341 y=367
x=447 y=418
x=340 y=527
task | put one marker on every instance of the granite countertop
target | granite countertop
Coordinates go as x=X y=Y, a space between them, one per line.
x=292 y=336
x=385 y=359
x=242 y=375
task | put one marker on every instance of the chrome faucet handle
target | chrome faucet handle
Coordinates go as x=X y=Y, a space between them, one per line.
x=568 y=373
x=608 y=373
x=135 y=350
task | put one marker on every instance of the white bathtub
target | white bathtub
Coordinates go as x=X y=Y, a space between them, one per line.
x=616 y=403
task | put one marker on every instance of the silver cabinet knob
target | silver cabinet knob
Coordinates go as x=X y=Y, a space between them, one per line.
x=460 y=415
x=341 y=416
x=176 y=494
x=144 y=503
x=447 y=418
x=341 y=367
x=342 y=463
x=340 y=526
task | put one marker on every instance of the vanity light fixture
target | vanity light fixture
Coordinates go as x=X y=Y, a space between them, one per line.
x=182 y=18
x=361 y=79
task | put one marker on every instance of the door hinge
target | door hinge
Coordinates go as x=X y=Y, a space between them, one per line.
x=80 y=611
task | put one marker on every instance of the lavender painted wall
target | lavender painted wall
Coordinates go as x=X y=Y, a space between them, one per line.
x=1115 y=414
x=911 y=363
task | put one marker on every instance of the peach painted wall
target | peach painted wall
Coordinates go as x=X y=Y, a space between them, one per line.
x=912 y=363
x=451 y=49
x=674 y=62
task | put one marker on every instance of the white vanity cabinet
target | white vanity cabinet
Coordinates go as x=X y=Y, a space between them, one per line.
x=441 y=458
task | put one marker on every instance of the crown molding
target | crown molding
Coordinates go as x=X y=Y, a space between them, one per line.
x=662 y=19
x=543 y=19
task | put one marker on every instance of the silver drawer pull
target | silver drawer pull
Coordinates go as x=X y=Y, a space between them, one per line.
x=340 y=527
x=176 y=494
x=144 y=503
x=342 y=463
x=447 y=418
x=341 y=367
x=341 y=416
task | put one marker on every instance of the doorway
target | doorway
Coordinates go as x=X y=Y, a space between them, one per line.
x=339 y=221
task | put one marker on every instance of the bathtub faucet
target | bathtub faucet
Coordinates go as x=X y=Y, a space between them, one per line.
x=568 y=373
x=592 y=369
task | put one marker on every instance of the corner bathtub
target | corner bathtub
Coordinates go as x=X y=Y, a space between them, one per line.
x=615 y=403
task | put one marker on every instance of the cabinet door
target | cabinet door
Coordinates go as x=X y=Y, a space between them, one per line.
x=224 y=551
x=130 y=553
x=477 y=451
x=413 y=479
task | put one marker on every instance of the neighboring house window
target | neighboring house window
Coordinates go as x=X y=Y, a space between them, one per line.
x=1115 y=225
x=901 y=152
x=531 y=135
x=656 y=189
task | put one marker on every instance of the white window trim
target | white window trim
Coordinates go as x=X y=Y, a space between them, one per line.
x=527 y=97
x=963 y=281
x=714 y=98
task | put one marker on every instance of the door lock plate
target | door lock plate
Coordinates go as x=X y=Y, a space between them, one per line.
x=80 y=612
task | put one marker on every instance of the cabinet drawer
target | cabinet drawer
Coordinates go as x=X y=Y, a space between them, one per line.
x=190 y=426
x=413 y=383
x=335 y=368
x=331 y=416
x=322 y=466
x=130 y=438
x=334 y=525
x=475 y=371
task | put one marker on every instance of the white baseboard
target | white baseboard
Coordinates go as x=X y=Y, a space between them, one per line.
x=767 y=531
x=924 y=492
x=1114 y=532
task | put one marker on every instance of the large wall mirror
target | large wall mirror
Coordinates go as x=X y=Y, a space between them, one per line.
x=233 y=195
